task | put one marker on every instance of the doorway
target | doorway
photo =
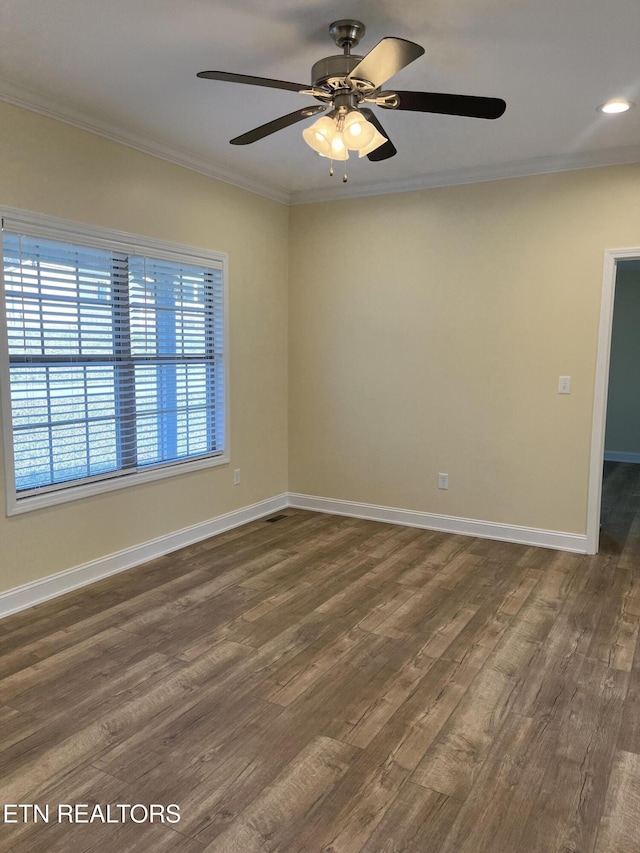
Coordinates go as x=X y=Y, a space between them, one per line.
x=613 y=439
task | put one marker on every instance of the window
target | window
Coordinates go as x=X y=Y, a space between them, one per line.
x=116 y=360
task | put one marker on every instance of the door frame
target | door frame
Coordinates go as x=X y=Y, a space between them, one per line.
x=611 y=258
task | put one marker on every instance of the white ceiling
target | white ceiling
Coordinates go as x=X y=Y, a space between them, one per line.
x=127 y=69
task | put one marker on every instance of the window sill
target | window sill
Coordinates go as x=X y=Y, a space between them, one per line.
x=17 y=506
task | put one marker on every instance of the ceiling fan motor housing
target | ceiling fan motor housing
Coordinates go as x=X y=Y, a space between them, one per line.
x=332 y=70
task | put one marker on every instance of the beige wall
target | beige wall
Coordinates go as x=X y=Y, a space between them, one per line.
x=623 y=404
x=52 y=168
x=427 y=334
x=435 y=346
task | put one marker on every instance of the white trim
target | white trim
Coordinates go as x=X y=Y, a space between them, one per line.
x=30 y=594
x=59 y=110
x=622 y=456
x=38 y=102
x=446 y=523
x=56 y=228
x=472 y=175
x=6 y=414
x=611 y=258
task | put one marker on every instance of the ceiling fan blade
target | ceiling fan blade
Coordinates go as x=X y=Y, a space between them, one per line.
x=388 y=149
x=387 y=58
x=277 y=124
x=252 y=81
x=454 y=105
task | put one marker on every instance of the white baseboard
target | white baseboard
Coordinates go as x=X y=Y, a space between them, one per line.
x=447 y=524
x=622 y=456
x=29 y=594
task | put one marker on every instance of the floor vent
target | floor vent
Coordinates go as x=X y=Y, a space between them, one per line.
x=275 y=518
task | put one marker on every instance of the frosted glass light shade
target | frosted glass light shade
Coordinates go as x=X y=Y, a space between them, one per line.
x=376 y=142
x=358 y=132
x=339 y=150
x=320 y=135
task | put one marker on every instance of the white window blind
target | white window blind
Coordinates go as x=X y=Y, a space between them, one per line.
x=116 y=361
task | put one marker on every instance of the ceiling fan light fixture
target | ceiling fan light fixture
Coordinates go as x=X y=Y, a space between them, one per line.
x=333 y=136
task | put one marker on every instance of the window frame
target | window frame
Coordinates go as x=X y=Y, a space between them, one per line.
x=55 y=228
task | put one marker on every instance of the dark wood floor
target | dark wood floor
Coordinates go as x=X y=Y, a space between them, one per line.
x=329 y=684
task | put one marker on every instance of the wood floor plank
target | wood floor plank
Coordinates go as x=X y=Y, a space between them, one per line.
x=304 y=673
x=452 y=763
x=448 y=630
x=386 y=540
x=345 y=821
x=419 y=720
x=398 y=561
x=304 y=781
x=390 y=699
x=423 y=604
x=446 y=548
x=517 y=595
x=417 y=821
x=567 y=809
x=630 y=556
x=15 y=726
x=380 y=612
x=459 y=569
x=620 y=824
x=242 y=767
x=629 y=735
x=631 y=604
x=545 y=777
x=493 y=814
x=479 y=637
x=353 y=827
x=616 y=633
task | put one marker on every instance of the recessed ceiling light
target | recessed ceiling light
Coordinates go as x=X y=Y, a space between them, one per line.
x=617 y=105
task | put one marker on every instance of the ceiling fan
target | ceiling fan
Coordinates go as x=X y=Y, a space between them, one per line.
x=345 y=84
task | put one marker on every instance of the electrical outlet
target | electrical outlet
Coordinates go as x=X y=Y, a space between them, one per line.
x=443 y=481
x=236 y=477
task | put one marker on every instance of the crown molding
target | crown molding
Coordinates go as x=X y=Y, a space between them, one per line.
x=475 y=175
x=39 y=102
